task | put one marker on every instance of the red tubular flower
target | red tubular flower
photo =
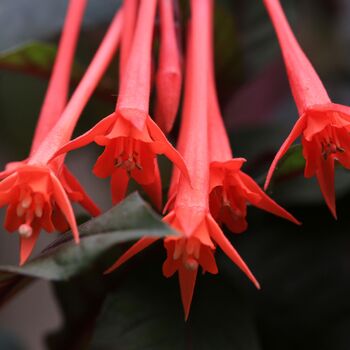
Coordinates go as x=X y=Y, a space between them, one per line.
x=169 y=75
x=230 y=188
x=195 y=246
x=130 y=137
x=322 y=125
x=38 y=190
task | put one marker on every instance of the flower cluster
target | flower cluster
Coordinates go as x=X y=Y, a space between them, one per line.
x=208 y=188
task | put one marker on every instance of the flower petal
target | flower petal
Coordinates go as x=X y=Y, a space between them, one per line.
x=27 y=245
x=6 y=185
x=64 y=204
x=74 y=185
x=88 y=137
x=235 y=223
x=58 y=220
x=187 y=280
x=226 y=246
x=119 y=185
x=105 y=163
x=11 y=168
x=140 y=245
x=207 y=260
x=265 y=202
x=163 y=146
x=296 y=131
x=325 y=177
x=170 y=266
x=154 y=189
x=12 y=220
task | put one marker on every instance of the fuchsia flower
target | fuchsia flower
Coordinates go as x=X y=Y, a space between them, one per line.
x=323 y=126
x=198 y=232
x=130 y=137
x=230 y=188
x=169 y=74
x=38 y=190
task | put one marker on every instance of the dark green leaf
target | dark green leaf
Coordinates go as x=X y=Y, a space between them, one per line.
x=80 y=301
x=128 y=221
x=32 y=56
x=37 y=58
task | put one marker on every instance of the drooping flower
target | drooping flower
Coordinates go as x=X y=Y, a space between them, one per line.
x=130 y=137
x=169 y=74
x=198 y=232
x=231 y=190
x=38 y=190
x=322 y=125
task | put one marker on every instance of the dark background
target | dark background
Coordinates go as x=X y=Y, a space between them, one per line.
x=304 y=271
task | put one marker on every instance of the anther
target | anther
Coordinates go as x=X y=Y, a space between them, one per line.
x=26 y=201
x=179 y=245
x=38 y=210
x=191 y=264
x=25 y=230
x=20 y=210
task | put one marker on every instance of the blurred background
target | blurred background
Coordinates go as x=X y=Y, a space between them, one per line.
x=304 y=271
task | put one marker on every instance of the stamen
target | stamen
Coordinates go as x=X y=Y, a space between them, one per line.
x=118 y=162
x=20 y=210
x=38 y=210
x=197 y=251
x=191 y=264
x=128 y=156
x=25 y=230
x=179 y=245
x=330 y=144
x=26 y=201
x=190 y=246
x=38 y=207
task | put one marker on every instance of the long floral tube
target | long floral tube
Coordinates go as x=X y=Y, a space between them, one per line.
x=323 y=126
x=57 y=91
x=130 y=8
x=135 y=89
